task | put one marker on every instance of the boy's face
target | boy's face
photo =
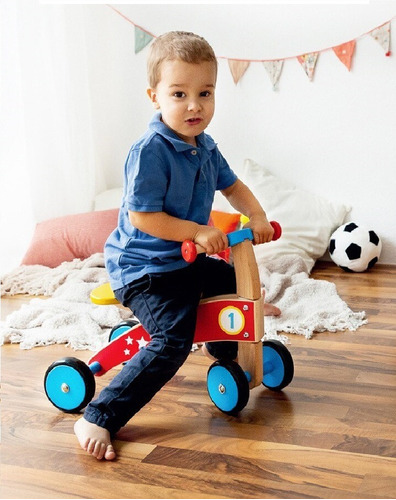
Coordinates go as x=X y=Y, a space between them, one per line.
x=185 y=95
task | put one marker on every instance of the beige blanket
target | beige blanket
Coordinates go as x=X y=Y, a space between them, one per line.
x=308 y=305
x=68 y=316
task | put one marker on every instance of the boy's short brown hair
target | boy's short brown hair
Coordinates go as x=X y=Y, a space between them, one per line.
x=182 y=45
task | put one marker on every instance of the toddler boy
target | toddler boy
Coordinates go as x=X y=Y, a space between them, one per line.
x=170 y=178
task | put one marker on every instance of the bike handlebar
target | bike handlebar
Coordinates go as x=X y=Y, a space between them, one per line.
x=190 y=250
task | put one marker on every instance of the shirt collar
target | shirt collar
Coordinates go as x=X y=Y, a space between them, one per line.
x=203 y=140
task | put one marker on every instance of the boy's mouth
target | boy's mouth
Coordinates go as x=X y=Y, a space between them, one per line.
x=194 y=121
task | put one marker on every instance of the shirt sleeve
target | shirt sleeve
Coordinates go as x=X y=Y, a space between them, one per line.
x=147 y=181
x=226 y=176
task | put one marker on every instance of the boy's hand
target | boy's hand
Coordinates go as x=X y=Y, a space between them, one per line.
x=211 y=239
x=262 y=230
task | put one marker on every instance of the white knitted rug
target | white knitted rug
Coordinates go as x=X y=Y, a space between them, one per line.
x=68 y=317
x=308 y=305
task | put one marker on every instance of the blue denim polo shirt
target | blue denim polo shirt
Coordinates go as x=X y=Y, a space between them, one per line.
x=163 y=174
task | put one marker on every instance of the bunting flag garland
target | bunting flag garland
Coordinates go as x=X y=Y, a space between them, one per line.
x=273 y=67
x=274 y=70
x=308 y=62
x=382 y=35
x=344 y=52
x=142 y=38
x=237 y=68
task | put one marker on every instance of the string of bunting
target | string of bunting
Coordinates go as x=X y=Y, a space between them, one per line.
x=273 y=67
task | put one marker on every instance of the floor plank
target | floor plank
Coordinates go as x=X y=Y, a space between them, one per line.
x=330 y=434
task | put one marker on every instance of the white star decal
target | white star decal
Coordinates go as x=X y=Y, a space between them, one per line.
x=142 y=342
x=129 y=340
x=127 y=352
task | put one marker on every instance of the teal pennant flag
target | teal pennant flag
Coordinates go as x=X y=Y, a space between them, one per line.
x=142 y=38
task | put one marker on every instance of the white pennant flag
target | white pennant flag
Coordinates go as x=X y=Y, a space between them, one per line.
x=274 y=70
x=382 y=35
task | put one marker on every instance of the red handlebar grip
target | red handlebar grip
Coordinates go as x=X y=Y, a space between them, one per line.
x=277 y=230
x=189 y=251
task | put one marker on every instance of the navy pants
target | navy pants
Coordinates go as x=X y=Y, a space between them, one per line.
x=166 y=305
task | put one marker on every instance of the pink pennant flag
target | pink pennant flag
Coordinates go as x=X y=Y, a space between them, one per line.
x=308 y=62
x=382 y=35
x=237 y=68
x=344 y=52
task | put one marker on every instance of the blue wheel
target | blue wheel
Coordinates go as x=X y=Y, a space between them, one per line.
x=121 y=328
x=278 y=366
x=69 y=384
x=228 y=386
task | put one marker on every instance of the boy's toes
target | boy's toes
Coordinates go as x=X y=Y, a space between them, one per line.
x=99 y=450
x=94 y=440
x=91 y=446
x=109 y=453
x=270 y=310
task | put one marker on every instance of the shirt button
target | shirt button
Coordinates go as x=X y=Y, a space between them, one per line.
x=194 y=152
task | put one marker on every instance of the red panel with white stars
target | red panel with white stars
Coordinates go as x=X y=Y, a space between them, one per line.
x=218 y=319
x=121 y=349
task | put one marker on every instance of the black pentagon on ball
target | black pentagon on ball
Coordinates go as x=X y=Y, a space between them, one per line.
x=350 y=227
x=332 y=246
x=374 y=238
x=353 y=251
x=346 y=269
x=372 y=262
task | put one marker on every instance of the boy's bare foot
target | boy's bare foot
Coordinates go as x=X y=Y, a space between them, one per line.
x=94 y=439
x=207 y=353
x=270 y=310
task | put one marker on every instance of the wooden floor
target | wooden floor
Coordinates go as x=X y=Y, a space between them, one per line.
x=330 y=434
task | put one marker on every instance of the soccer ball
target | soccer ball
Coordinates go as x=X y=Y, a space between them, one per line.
x=354 y=247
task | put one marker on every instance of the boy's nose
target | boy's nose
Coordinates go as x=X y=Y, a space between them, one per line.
x=194 y=106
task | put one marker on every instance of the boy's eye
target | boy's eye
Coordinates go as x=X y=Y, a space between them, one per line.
x=179 y=94
x=206 y=93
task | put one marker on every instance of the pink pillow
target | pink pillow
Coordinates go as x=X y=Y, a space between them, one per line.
x=70 y=237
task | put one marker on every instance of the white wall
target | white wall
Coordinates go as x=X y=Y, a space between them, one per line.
x=335 y=136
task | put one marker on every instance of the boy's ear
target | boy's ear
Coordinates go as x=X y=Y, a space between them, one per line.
x=153 y=97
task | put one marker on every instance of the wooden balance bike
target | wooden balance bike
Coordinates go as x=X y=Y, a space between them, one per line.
x=70 y=383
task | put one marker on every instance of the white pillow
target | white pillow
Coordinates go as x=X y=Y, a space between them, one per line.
x=108 y=199
x=307 y=220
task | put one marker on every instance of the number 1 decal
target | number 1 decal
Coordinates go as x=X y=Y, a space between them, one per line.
x=231 y=316
x=231 y=320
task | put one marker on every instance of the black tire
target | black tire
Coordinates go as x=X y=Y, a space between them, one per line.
x=227 y=386
x=119 y=329
x=69 y=384
x=278 y=366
